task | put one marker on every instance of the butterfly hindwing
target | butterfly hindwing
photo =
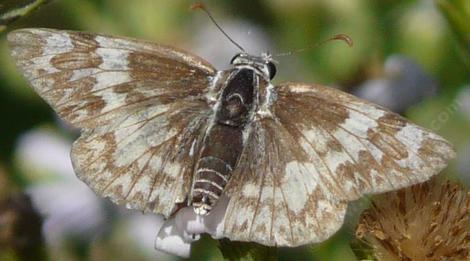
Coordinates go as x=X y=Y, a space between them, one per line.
x=275 y=198
x=146 y=161
x=142 y=108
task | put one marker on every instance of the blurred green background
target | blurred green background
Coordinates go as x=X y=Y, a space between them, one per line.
x=413 y=56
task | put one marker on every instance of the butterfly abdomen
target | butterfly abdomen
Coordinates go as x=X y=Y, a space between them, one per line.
x=223 y=142
x=218 y=158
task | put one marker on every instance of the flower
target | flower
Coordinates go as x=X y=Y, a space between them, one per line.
x=403 y=85
x=70 y=209
x=424 y=222
x=178 y=232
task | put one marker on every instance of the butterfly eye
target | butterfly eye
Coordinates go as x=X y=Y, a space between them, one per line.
x=271 y=70
x=233 y=59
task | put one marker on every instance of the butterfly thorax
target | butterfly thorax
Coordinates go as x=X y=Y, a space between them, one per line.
x=223 y=142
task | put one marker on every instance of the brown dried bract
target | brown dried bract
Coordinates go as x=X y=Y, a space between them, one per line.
x=428 y=221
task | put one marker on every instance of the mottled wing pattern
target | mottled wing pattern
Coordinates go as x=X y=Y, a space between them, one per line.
x=146 y=161
x=141 y=106
x=90 y=78
x=321 y=149
x=275 y=199
x=359 y=146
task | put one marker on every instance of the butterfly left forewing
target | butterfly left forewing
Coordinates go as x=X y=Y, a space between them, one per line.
x=142 y=107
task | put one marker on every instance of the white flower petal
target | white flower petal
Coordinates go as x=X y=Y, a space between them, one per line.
x=177 y=233
x=170 y=240
x=45 y=151
x=70 y=209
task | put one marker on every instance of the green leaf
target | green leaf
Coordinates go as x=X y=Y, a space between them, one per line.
x=457 y=14
x=246 y=251
x=11 y=11
x=362 y=250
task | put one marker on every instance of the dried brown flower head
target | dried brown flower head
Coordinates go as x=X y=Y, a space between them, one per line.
x=427 y=221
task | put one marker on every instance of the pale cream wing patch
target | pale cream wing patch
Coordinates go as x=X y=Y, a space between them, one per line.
x=141 y=106
x=359 y=147
x=275 y=198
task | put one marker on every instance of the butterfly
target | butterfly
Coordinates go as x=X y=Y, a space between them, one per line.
x=163 y=129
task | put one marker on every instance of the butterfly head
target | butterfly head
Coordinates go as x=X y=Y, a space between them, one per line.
x=264 y=63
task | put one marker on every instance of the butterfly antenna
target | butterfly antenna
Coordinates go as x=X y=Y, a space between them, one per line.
x=200 y=5
x=341 y=37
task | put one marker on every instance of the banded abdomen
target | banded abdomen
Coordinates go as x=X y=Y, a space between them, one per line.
x=215 y=166
x=223 y=142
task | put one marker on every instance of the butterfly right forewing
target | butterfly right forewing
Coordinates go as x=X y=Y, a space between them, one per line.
x=91 y=78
